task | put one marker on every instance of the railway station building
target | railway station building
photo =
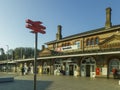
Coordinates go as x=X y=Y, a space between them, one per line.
x=94 y=52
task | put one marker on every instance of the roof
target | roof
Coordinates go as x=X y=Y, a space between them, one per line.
x=87 y=33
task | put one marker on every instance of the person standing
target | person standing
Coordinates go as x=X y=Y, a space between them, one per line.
x=114 y=73
x=22 y=70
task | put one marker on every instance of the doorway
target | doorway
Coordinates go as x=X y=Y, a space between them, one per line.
x=88 y=65
x=87 y=70
x=71 y=69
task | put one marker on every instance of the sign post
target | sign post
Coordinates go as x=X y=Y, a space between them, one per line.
x=36 y=28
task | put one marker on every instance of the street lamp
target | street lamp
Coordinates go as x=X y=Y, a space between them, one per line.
x=7 y=57
x=36 y=28
x=7 y=51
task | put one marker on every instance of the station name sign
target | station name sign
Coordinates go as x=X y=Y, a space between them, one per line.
x=66 y=48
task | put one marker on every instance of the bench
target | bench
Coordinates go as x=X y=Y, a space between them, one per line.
x=6 y=79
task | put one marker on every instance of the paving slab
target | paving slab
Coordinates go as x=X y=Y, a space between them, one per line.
x=51 y=82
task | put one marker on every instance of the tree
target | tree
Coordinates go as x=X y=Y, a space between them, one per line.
x=2 y=54
x=10 y=54
x=17 y=53
x=24 y=52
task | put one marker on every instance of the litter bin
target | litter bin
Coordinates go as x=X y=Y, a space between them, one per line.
x=93 y=75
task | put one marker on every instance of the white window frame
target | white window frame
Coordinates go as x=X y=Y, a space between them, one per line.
x=78 y=44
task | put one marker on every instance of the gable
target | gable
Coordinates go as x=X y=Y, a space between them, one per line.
x=111 y=42
x=45 y=52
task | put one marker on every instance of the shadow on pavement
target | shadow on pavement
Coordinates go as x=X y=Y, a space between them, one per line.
x=25 y=85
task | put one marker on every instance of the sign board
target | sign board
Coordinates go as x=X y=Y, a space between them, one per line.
x=35 y=26
x=104 y=71
x=66 y=48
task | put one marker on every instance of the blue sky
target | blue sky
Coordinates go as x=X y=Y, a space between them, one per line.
x=75 y=16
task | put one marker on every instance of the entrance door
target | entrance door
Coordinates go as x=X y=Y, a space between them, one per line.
x=87 y=70
x=87 y=66
x=71 y=69
x=83 y=71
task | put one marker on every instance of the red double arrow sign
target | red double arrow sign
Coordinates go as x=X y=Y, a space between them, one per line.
x=35 y=26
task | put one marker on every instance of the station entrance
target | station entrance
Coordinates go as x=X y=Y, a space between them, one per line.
x=87 y=70
x=66 y=67
x=88 y=65
x=70 y=68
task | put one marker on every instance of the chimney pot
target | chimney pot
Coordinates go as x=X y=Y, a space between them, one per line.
x=43 y=47
x=59 y=32
x=108 y=23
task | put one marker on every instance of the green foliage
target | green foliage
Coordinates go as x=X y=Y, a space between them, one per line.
x=2 y=54
x=17 y=53
x=23 y=53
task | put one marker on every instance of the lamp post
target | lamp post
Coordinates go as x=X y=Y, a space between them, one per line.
x=7 y=51
x=7 y=58
x=36 y=28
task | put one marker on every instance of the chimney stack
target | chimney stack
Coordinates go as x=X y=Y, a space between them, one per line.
x=59 y=34
x=43 y=47
x=108 y=23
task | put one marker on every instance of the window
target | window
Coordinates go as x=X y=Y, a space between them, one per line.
x=54 y=46
x=87 y=42
x=92 y=41
x=65 y=44
x=78 y=44
x=97 y=40
x=114 y=63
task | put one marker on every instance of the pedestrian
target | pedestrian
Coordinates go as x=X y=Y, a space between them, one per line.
x=22 y=70
x=114 y=73
x=48 y=70
x=29 y=69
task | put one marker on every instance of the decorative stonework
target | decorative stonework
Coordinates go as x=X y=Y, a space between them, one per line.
x=45 y=52
x=111 y=42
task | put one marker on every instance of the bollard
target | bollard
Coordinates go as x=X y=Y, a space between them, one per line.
x=119 y=82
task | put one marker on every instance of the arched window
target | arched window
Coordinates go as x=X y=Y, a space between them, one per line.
x=78 y=44
x=87 y=42
x=114 y=63
x=67 y=44
x=88 y=60
x=96 y=40
x=92 y=41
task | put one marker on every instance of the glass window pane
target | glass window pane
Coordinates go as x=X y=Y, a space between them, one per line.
x=96 y=41
x=78 y=44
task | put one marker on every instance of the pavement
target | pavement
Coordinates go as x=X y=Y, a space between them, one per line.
x=51 y=82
